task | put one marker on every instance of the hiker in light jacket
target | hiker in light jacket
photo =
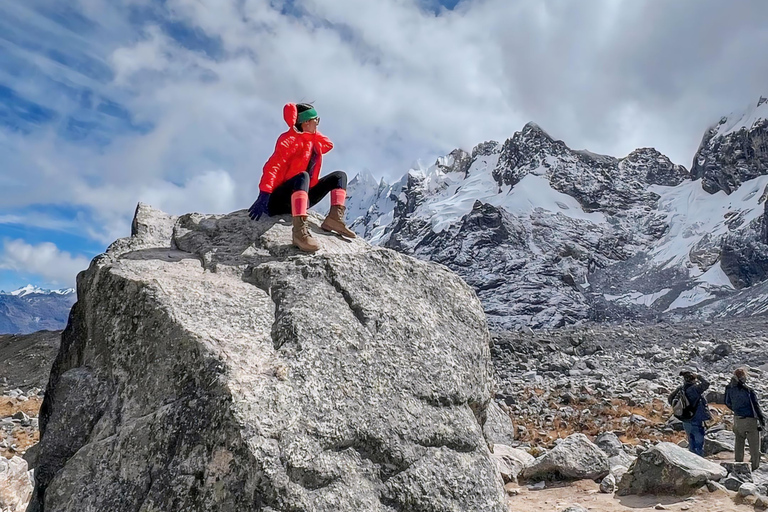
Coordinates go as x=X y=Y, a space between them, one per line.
x=694 y=385
x=742 y=400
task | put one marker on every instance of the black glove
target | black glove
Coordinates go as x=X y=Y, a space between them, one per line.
x=259 y=207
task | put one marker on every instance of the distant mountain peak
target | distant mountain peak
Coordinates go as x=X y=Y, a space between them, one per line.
x=733 y=151
x=35 y=290
x=746 y=119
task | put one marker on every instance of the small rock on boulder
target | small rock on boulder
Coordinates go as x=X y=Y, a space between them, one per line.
x=668 y=469
x=574 y=458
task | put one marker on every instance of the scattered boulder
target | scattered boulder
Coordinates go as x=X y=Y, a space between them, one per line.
x=16 y=484
x=675 y=424
x=668 y=469
x=732 y=483
x=715 y=397
x=719 y=441
x=618 y=472
x=609 y=443
x=718 y=352
x=717 y=487
x=740 y=470
x=510 y=461
x=210 y=366
x=574 y=458
x=608 y=484
x=648 y=374
x=613 y=447
x=575 y=508
x=748 y=489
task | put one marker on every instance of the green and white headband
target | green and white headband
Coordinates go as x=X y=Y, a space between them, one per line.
x=307 y=115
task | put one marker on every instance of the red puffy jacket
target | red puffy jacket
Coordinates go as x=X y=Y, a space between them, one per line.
x=292 y=153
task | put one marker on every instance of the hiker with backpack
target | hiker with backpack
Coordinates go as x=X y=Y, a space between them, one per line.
x=291 y=182
x=748 y=418
x=690 y=407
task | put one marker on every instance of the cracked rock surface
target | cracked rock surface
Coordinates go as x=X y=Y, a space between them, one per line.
x=207 y=365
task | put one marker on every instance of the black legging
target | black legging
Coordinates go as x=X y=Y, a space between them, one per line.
x=280 y=200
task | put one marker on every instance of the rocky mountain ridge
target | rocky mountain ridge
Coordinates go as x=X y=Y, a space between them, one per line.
x=549 y=236
x=30 y=309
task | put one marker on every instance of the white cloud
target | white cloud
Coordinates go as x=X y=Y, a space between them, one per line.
x=392 y=82
x=45 y=260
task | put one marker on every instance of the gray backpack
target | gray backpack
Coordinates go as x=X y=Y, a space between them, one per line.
x=681 y=406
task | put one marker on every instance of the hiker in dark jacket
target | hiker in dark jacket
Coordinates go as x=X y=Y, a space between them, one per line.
x=694 y=385
x=741 y=399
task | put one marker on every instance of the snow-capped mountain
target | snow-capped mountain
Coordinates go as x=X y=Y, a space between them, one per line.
x=735 y=150
x=31 y=309
x=549 y=236
x=30 y=290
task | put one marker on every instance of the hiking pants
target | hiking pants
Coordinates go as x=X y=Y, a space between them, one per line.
x=695 y=433
x=746 y=429
x=280 y=200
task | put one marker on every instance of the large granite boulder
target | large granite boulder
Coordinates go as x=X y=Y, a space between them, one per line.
x=574 y=458
x=669 y=469
x=209 y=366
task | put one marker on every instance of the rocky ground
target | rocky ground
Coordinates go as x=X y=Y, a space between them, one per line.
x=586 y=494
x=25 y=360
x=19 y=429
x=552 y=383
x=25 y=363
x=617 y=377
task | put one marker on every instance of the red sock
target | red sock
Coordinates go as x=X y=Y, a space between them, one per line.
x=299 y=203
x=338 y=196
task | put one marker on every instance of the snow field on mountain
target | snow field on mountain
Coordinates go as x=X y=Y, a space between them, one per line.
x=693 y=213
x=452 y=195
x=745 y=119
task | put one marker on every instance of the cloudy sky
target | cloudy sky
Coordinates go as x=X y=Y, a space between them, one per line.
x=104 y=103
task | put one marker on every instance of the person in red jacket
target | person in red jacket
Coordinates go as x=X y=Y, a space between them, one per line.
x=291 y=182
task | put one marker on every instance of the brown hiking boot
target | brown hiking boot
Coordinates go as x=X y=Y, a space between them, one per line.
x=302 y=238
x=335 y=222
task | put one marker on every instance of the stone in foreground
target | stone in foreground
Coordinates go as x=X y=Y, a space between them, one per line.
x=575 y=458
x=15 y=484
x=209 y=366
x=668 y=469
x=510 y=461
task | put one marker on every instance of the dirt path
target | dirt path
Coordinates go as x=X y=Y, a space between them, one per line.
x=586 y=494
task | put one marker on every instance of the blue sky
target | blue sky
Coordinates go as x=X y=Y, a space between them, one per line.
x=177 y=102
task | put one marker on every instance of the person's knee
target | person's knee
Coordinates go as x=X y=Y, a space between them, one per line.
x=341 y=179
x=302 y=182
